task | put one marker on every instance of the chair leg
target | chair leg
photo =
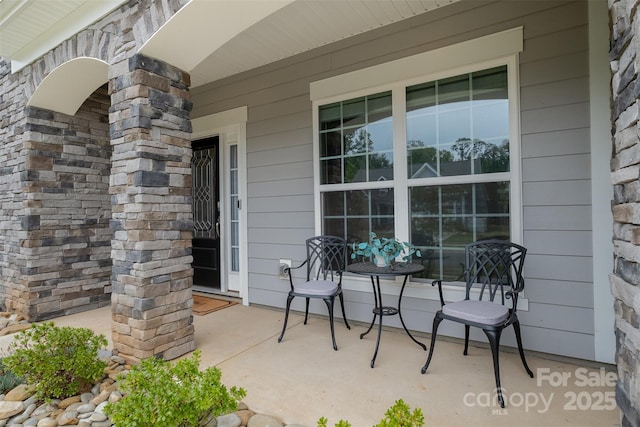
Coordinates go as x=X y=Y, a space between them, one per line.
x=344 y=315
x=494 y=341
x=466 y=339
x=329 y=303
x=286 y=317
x=516 y=327
x=434 y=331
x=306 y=312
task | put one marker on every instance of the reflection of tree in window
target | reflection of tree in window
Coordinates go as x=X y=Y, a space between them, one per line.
x=486 y=158
x=422 y=157
x=355 y=169
x=493 y=158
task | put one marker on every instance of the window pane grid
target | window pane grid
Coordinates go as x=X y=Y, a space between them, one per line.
x=444 y=218
x=457 y=157
x=356 y=140
x=353 y=214
x=458 y=126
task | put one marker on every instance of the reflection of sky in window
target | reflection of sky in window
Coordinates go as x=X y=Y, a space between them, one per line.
x=381 y=134
x=490 y=119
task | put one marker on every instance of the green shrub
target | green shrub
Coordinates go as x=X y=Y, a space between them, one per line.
x=157 y=393
x=58 y=361
x=8 y=380
x=322 y=422
x=399 y=415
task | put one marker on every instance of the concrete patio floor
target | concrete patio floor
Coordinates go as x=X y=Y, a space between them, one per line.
x=303 y=378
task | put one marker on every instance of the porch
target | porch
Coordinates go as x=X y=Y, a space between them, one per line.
x=303 y=378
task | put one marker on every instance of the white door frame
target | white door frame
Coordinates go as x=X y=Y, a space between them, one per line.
x=230 y=126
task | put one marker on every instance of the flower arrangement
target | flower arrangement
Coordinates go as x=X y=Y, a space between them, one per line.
x=384 y=250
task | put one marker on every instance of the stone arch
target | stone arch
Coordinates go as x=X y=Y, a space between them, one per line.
x=69 y=85
x=111 y=40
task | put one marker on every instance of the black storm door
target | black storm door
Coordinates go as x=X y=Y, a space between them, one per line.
x=206 y=213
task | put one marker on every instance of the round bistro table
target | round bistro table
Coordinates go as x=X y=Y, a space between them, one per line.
x=380 y=310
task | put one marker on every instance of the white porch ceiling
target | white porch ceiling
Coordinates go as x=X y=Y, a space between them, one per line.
x=30 y=28
x=214 y=38
x=303 y=25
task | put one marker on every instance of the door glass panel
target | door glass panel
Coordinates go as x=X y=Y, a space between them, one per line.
x=234 y=208
x=204 y=219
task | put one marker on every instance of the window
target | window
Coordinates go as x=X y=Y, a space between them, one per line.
x=430 y=155
x=457 y=166
x=457 y=134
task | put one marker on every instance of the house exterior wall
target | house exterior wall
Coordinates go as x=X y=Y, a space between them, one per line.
x=67 y=247
x=554 y=109
x=55 y=207
x=625 y=167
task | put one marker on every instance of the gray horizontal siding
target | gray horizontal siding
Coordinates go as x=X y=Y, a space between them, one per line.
x=555 y=267
x=556 y=193
x=555 y=143
x=559 y=292
x=278 y=171
x=280 y=156
x=293 y=186
x=556 y=168
x=281 y=219
x=556 y=218
x=559 y=243
x=555 y=148
x=560 y=92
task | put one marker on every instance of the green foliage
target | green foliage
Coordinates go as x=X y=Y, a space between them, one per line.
x=8 y=380
x=399 y=415
x=387 y=247
x=58 y=361
x=322 y=422
x=161 y=393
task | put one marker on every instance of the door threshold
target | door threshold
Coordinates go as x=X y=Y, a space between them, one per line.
x=229 y=295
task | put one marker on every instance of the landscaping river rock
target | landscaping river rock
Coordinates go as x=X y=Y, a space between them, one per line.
x=19 y=408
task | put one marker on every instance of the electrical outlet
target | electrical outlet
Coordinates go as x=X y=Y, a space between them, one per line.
x=283 y=264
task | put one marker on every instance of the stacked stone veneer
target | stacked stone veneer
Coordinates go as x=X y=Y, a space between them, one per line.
x=63 y=249
x=625 y=165
x=152 y=219
x=57 y=182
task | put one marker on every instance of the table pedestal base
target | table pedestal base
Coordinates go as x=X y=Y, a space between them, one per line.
x=379 y=311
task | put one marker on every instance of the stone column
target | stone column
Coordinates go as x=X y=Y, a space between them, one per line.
x=152 y=221
x=625 y=167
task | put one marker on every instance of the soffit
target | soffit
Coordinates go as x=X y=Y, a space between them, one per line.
x=30 y=28
x=300 y=26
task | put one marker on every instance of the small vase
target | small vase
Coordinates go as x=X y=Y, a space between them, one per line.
x=381 y=261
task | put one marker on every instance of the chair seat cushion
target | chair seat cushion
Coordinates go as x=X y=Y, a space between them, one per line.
x=477 y=311
x=317 y=287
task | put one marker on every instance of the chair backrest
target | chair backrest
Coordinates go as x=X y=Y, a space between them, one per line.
x=326 y=257
x=492 y=266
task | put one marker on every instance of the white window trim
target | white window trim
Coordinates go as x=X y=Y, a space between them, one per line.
x=485 y=52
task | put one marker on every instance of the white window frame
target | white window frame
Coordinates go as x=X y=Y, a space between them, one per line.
x=474 y=55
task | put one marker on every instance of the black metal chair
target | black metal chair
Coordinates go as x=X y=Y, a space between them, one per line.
x=326 y=261
x=494 y=268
